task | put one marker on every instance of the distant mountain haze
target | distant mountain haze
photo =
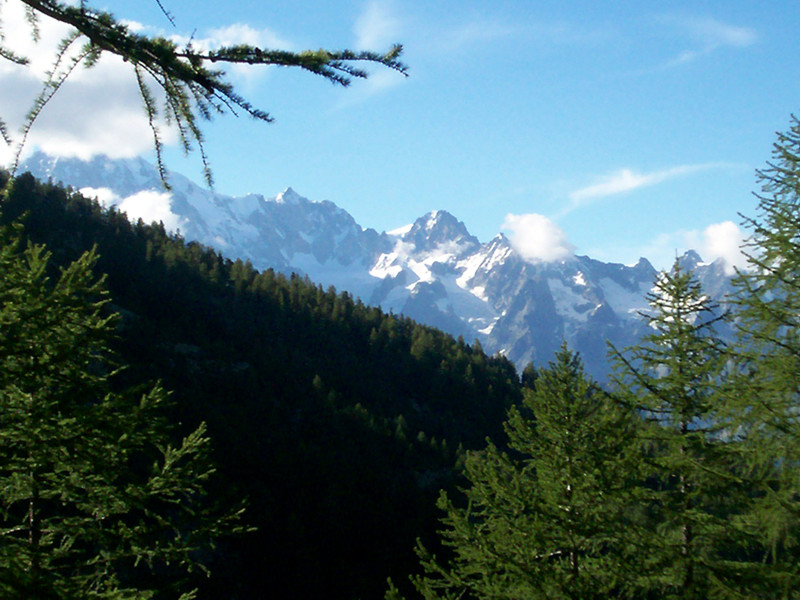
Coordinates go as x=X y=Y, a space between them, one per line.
x=432 y=270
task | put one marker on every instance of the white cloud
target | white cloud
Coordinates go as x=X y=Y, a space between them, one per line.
x=377 y=27
x=241 y=33
x=105 y=196
x=90 y=114
x=537 y=238
x=17 y=36
x=723 y=240
x=150 y=206
x=232 y=35
x=718 y=240
x=96 y=111
x=134 y=26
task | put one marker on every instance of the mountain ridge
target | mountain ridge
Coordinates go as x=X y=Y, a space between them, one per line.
x=432 y=270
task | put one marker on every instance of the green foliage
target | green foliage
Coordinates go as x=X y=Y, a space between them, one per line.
x=646 y=495
x=529 y=376
x=95 y=499
x=314 y=400
x=549 y=518
x=768 y=354
x=193 y=87
x=769 y=293
x=697 y=546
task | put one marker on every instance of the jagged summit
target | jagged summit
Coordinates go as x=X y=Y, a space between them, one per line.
x=289 y=196
x=437 y=229
x=643 y=265
x=690 y=260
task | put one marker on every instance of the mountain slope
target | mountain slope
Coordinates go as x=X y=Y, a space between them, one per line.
x=339 y=423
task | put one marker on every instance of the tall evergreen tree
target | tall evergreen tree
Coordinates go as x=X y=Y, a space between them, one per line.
x=548 y=518
x=767 y=399
x=696 y=547
x=95 y=499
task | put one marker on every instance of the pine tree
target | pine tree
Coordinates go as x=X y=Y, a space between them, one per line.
x=696 y=547
x=547 y=519
x=768 y=352
x=95 y=499
x=191 y=81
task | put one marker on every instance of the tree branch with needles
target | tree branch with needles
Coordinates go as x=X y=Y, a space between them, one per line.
x=193 y=85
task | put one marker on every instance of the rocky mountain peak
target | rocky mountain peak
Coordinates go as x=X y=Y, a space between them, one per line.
x=440 y=230
x=289 y=196
x=690 y=260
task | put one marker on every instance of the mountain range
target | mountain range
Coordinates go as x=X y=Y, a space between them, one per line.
x=432 y=270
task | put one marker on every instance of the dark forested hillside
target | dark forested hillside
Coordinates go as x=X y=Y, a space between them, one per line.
x=339 y=423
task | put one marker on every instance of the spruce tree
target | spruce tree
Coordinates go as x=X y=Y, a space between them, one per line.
x=696 y=546
x=96 y=500
x=767 y=396
x=550 y=517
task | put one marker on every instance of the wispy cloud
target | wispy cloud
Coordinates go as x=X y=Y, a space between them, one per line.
x=478 y=32
x=378 y=26
x=474 y=33
x=708 y=35
x=627 y=180
x=715 y=34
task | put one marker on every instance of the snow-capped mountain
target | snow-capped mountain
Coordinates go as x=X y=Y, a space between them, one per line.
x=433 y=270
x=287 y=232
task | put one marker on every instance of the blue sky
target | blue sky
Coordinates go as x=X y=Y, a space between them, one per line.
x=610 y=129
